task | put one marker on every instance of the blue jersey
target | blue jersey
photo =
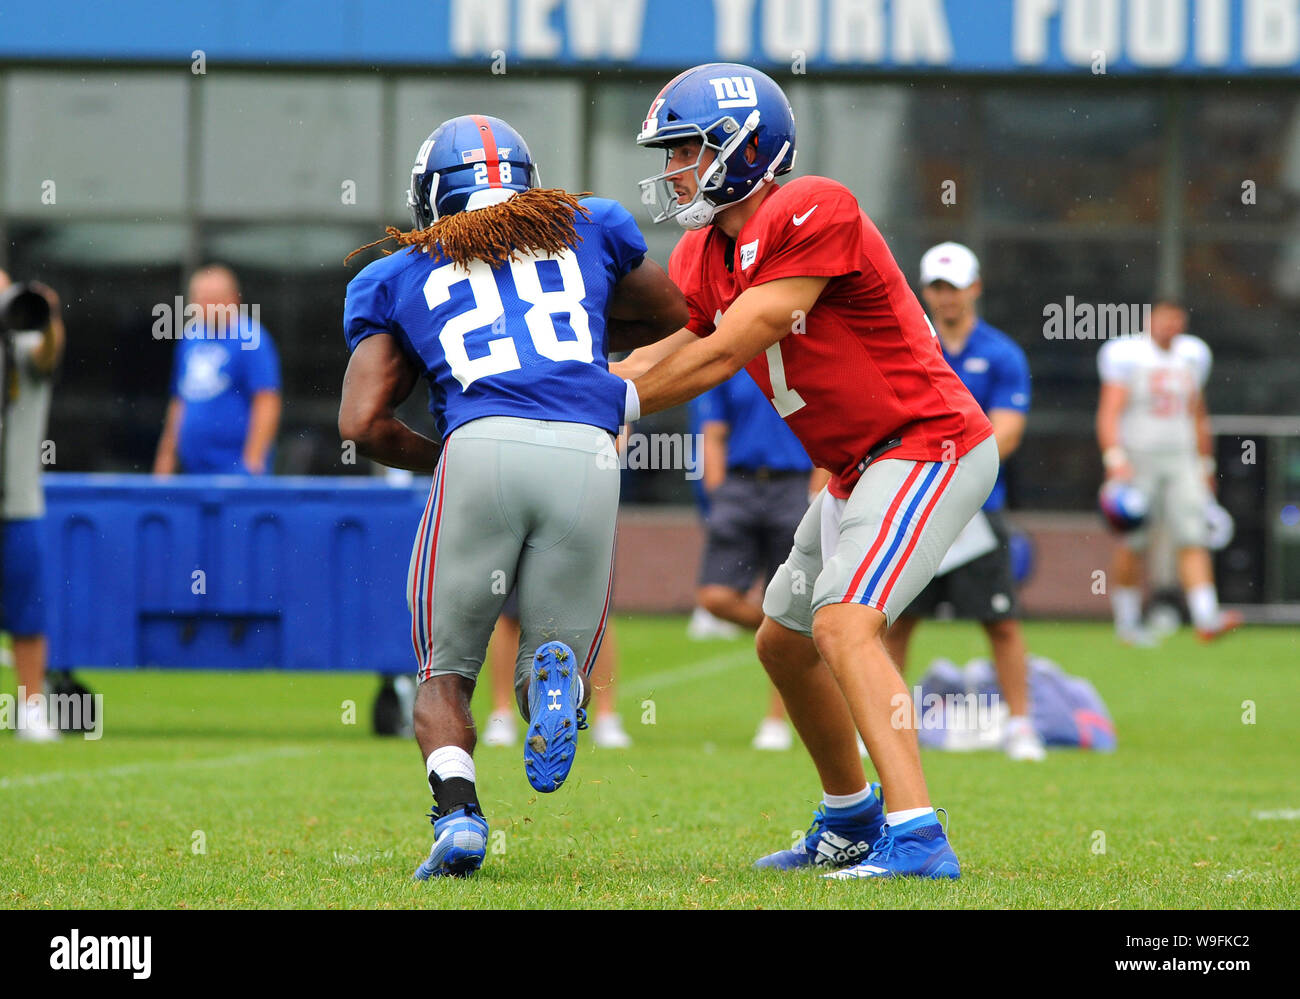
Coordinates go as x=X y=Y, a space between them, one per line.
x=216 y=379
x=757 y=436
x=526 y=339
x=993 y=367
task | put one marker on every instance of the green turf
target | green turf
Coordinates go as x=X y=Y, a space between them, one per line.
x=296 y=808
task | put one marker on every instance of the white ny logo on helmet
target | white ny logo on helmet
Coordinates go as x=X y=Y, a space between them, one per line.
x=554 y=703
x=422 y=157
x=735 y=92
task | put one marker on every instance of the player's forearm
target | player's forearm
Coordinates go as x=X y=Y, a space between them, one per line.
x=391 y=442
x=164 y=461
x=263 y=423
x=756 y=320
x=1107 y=429
x=1114 y=458
x=1103 y=429
x=644 y=358
x=1008 y=431
x=1114 y=398
x=749 y=328
x=691 y=371
x=1204 y=435
x=1205 y=447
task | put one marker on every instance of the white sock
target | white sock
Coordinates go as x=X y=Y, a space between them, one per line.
x=450 y=761
x=896 y=819
x=846 y=800
x=1203 y=603
x=1126 y=604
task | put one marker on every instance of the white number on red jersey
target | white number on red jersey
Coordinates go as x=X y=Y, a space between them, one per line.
x=785 y=399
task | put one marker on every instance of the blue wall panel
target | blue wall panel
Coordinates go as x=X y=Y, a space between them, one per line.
x=229 y=573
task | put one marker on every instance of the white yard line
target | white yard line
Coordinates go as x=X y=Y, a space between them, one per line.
x=1286 y=814
x=131 y=769
x=695 y=671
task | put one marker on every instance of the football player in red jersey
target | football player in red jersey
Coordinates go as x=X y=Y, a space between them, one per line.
x=795 y=284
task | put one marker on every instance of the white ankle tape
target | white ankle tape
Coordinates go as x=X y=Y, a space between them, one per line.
x=450 y=761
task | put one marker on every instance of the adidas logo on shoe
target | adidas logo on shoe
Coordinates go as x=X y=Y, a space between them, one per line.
x=838 y=851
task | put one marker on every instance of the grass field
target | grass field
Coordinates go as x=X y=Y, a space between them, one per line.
x=294 y=808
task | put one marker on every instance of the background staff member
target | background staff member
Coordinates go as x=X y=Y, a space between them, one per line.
x=983 y=587
x=225 y=394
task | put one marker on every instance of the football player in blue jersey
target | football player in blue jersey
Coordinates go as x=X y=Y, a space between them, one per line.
x=506 y=303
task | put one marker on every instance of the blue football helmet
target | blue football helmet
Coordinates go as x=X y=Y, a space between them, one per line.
x=468 y=162
x=1123 y=505
x=1219 y=526
x=736 y=111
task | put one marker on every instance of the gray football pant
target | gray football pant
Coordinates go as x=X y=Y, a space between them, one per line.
x=514 y=502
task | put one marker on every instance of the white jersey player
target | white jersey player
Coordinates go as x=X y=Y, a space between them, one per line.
x=1154 y=431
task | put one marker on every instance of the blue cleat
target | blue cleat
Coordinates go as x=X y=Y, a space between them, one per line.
x=837 y=837
x=459 y=845
x=554 y=717
x=917 y=849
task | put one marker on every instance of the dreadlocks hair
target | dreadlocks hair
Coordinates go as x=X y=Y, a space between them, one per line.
x=539 y=220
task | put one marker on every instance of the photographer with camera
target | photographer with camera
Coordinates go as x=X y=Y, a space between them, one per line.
x=32 y=336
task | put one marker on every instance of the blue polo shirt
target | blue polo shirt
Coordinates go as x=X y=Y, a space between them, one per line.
x=757 y=437
x=994 y=368
x=217 y=379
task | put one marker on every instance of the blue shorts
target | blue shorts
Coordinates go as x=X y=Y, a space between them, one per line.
x=22 y=591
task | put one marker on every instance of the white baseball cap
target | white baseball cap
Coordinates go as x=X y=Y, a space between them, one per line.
x=950 y=262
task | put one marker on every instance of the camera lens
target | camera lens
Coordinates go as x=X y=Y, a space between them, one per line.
x=23 y=308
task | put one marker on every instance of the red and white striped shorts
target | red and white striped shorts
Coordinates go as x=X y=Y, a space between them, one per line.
x=885 y=541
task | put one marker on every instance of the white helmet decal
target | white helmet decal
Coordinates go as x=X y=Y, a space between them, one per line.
x=735 y=91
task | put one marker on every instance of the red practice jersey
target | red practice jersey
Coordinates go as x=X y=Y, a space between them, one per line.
x=864 y=366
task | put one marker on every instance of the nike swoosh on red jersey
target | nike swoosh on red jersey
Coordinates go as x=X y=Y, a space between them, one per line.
x=800 y=219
